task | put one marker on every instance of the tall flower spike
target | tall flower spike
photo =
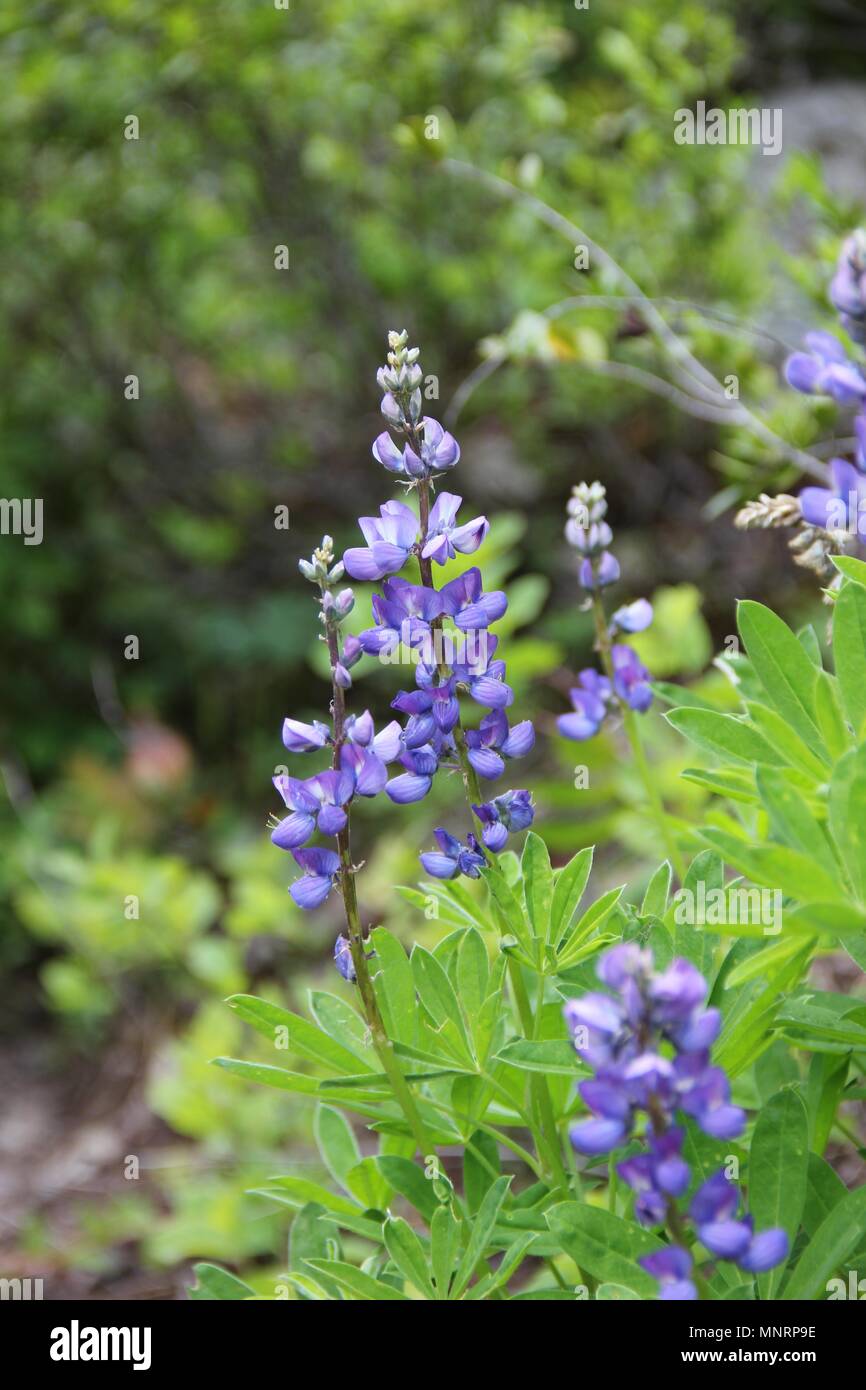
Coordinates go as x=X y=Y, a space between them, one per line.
x=626 y=680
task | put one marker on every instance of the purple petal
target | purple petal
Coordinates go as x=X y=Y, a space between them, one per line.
x=408 y=787
x=520 y=739
x=298 y=737
x=310 y=891
x=293 y=830
x=387 y=743
x=444 y=511
x=486 y=763
x=727 y=1239
x=766 y=1250
x=596 y=1136
x=802 y=372
x=439 y=865
x=332 y=819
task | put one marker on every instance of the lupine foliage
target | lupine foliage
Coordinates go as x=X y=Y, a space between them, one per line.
x=535 y=1136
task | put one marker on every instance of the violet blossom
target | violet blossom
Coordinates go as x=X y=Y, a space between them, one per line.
x=648 y=1042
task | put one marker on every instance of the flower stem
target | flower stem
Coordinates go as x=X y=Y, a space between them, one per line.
x=378 y=1033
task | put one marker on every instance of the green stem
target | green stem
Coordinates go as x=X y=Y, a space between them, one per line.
x=378 y=1033
x=633 y=734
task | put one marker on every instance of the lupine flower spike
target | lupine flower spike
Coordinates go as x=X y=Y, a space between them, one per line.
x=648 y=1041
x=626 y=681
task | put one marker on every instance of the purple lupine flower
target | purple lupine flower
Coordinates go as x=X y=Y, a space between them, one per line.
x=630 y=678
x=597 y=574
x=343 y=959
x=466 y=605
x=445 y=537
x=430 y=708
x=403 y=613
x=301 y=738
x=439 y=451
x=390 y=540
x=848 y=286
x=633 y=617
x=316 y=803
x=671 y=1266
x=713 y=1210
x=414 y=784
x=452 y=857
x=825 y=370
x=475 y=668
x=841 y=507
x=626 y=1038
x=320 y=867
x=493 y=741
x=511 y=812
x=589 y=699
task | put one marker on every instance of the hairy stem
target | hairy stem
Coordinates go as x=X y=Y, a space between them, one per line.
x=378 y=1033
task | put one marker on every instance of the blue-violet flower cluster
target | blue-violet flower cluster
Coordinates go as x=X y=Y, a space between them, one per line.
x=625 y=680
x=648 y=1042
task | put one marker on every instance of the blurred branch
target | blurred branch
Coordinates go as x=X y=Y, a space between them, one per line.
x=696 y=381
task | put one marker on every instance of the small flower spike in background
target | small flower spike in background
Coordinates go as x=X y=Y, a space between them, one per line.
x=624 y=687
x=648 y=1042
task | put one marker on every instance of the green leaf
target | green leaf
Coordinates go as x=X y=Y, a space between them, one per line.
x=791 y=820
x=558 y=1058
x=782 y=737
x=851 y=568
x=437 y=995
x=407 y=1253
x=473 y=973
x=367 y=1186
x=482 y=1229
x=360 y=1285
x=828 y=1073
x=693 y=941
x=775 y=866
x=726 y=736
x=655 y=899
x=302 y=1036
x=269 y=1076
x=839 y=1233
x=778 y=1168
x=849 y=651
x=508 y=908
x=537 y=884
x=782 y=667
x=825 y=1190
x=828 y=710
x=571 y=945
x=444 y=1243
x=604 y=1245
x=394 y=984
x=571 y=883
x=217 y=1284
x=481 y=1168
x=410 y=1181
x=336 y=1142
x=340 y=1021
x=847 y=812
